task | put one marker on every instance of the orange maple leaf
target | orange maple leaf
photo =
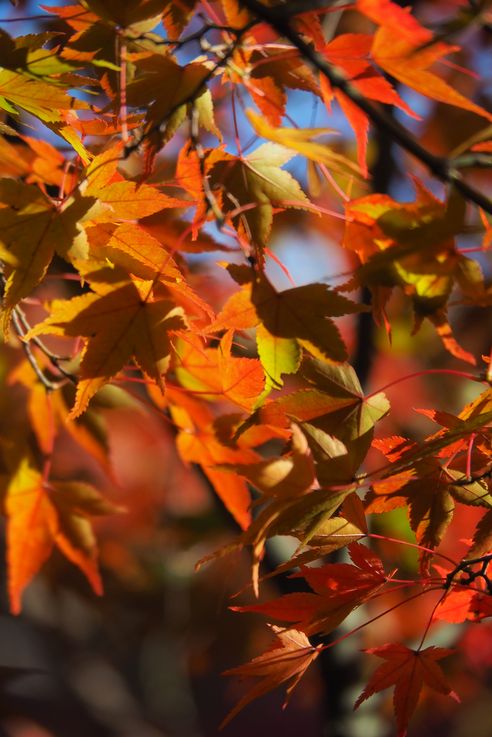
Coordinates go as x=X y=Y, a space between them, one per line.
x=130 y=319
x=351 y=53
x=216 y=373
x=41 y=515
x=405 y=50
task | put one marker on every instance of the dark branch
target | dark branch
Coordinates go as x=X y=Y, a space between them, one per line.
x=440 y=167
x=469 y=575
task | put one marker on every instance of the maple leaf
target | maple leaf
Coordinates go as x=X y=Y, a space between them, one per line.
x=287 y=660
x=412 y=245
x=393 y=52
x=300 y=140
x=214 y=372
x=289 y=319
x=481 y=607
x=283 y=477
x=395 y=18
x=41 y=515
x=329 y=535
x=127 y=14
x=49 y=413
x=198 y=443
x=477 y=416
x=32 y=229
x=235 y=13
x=75 y=16
x=482 y=538
x=202 y=448
x=270 y=98
x=34 y=160
x=456 y=606
x=305 y=514
x=212 y=444
x=426 y=494
x=166 y=105
x=338 y=589
x=127 y=200
x=137 y=252
x=426 y=487
x=29 y=56
x=278 y=356
x=37 y=81
x=129 y=246
x=130 y=319
x=407 y=670
x=177 y=14
x=334 y=415
x=350 y=52
x=249 y=187
x=46 y=101
x=267 y=75
x=402 y=38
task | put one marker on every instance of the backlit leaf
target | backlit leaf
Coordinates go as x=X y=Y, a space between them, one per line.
x=407 y=670
x=32 y=229
x=285 y=661
x=301 y=314
x=41 y=515
x=129 y=321
x=256 y=180
x=300 y=140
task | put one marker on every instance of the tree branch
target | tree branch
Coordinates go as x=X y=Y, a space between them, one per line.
x=440 y=167
x=470 y=575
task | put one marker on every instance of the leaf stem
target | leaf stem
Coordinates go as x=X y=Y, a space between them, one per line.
x=378 y=616
x=123 y=103
x=411 y=545
x=431 y=618
x=426 y=372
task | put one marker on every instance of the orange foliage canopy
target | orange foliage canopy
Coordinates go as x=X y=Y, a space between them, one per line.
x=139 y=167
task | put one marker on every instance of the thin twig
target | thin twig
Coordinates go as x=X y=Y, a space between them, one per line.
x=223 y=58
x=180 y=43
x=47 y=383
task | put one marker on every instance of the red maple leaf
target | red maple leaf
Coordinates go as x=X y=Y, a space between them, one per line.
x=407 y=670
